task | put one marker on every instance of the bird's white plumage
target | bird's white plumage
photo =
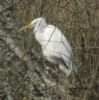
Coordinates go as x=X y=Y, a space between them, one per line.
x=54 y=45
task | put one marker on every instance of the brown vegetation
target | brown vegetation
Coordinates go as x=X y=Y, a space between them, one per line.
x=24 y=73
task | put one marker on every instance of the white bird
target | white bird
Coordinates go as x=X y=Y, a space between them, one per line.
x=54 y=44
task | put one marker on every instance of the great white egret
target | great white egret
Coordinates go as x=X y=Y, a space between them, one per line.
x=54 y=44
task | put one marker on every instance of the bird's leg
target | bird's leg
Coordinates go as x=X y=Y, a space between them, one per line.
x=68 y=73
x=71 y=74
x=69 y=70
x=63 y=68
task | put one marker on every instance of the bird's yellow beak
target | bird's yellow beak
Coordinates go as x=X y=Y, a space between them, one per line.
x=29 y=26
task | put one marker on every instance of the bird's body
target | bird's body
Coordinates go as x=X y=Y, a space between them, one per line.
x=55 y=46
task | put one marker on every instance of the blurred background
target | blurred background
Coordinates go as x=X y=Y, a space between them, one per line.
x=23 y=69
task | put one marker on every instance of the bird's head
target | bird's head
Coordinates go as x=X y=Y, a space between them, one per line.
x=35 y=22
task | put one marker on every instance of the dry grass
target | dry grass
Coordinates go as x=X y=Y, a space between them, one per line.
x=78 y=20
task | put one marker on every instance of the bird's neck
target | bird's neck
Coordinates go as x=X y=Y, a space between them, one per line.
x=39 y=27
x=39 y=30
